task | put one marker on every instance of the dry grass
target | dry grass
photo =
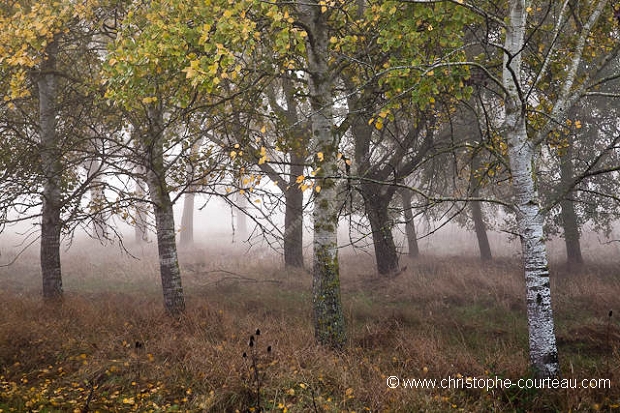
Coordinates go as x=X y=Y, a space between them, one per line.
x=109 y=346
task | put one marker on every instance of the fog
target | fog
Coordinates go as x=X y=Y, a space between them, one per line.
x=216 y=229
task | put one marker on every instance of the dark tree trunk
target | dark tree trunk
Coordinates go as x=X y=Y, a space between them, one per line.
x=187 y=219
x=174 y=300
x=477 y=215
x=571 y=233
x=412 y=238
x=97 y=195
x=481 y=231
x=51 y=162
x=293 y=218
x=376 y=206
x=569 y=217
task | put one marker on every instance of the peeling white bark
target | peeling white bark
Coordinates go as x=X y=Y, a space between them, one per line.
x=530 y=219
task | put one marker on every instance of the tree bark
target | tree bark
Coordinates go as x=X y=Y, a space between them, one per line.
x=521 y=152
x=293 y=217
x=376 y=206
x=174 y=300
x=187 y=220
x=571 y=234
x=481 y=230
x=141 y=222
x=570 y=222
x=97 y=195
x=51 y=163
x=412 y=238
x=329 y=324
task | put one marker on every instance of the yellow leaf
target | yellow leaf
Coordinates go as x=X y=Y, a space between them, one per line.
x=300 y=179
x=319 y=155
x=129 y=400
x=317 y=189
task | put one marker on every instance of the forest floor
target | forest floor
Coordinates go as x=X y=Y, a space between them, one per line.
x=109 y=346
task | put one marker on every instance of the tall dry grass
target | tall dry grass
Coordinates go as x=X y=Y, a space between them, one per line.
x=110 y=347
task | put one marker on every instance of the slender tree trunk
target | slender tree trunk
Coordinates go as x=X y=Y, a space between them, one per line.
x=242 y=218
x=412 y=238
x=521 y=151
x=293 y=218
x=187 y=220
x=477 y=214
x=376 y=206
x=51 y=163
x=97 y=195
x=571 y=234
x=481 y=230
x=174 y=300
x=329 y=324
x=570 y=222
x=141 y=223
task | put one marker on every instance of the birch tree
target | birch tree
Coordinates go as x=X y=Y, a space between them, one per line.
x=522 y=150
x=530 y=218
x=49 y=53
x=329 y=325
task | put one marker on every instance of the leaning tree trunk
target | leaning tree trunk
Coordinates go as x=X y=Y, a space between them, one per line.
x=570 y=222
x=480 y=229
x=329 y=325
x=476 y=212
x=521 y=152
x=412 y=238
x=376 y=206
x=51 y=163
x=174 y=300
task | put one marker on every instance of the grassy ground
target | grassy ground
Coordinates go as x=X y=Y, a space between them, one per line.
x=109 y=346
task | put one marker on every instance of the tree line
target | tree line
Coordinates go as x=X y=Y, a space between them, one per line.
x=376 y=110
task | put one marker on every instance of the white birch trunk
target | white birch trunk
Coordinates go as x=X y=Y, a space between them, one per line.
x=521 y=151
x=328 y=315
